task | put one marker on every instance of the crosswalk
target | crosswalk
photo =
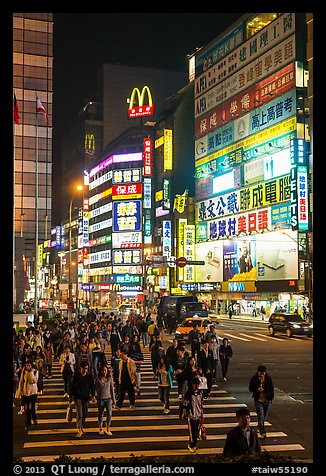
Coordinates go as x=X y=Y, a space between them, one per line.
x=142 y=430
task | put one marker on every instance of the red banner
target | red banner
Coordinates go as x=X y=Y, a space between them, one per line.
x=260 y=93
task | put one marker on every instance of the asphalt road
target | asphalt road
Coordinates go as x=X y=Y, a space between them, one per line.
x=289 y=361
x=145 y=430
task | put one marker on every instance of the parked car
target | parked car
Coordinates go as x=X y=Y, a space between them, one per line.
x=289 y=324
x=183 y=329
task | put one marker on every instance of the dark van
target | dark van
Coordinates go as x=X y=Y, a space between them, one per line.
x=171 y=305
x=190 y=309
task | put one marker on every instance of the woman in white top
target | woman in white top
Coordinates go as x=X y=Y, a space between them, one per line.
x=27 y=388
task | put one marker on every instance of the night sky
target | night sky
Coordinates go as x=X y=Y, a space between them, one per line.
x=84 y=41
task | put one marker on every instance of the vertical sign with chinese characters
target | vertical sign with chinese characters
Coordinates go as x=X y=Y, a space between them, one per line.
x=148 y=156
x=168 y=150
x=302 y=187
x=167 y=239
x=189 y=252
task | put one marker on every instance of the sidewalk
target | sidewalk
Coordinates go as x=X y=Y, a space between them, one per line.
x=243 y=317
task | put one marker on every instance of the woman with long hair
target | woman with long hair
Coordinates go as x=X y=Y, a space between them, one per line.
x=165 y=382
x=105 y=395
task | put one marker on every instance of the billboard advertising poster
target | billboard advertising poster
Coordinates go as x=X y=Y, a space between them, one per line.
x=263 y=257
x=239 y=260
x=277 y=256
x=212 y=254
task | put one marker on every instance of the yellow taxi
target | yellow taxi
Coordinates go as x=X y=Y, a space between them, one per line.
x=183 y=329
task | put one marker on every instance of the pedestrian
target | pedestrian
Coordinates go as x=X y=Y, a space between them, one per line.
x=230 y=311
x=82 y=391
x=206 y=364
x=56 y=336
x=193 y=412
x=171 y=352
x=127 y=380
x=67 y=361
x=151 y=330
x=137 y=356
x=213 y=346
x=115 y=361
x=262 y=388
x=27 y=391
x=114 y=339
x=105 y=395
x=194 y=341
x=225 y=354
x=242 y=439
x=40 y=366
x=165 y=382
x=48 y=358
x=179 y=366
x=157 y=350
x=84 y=355
x=16 y=372
x=143 y=332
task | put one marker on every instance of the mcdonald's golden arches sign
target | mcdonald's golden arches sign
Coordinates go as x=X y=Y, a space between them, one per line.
x=141 y=108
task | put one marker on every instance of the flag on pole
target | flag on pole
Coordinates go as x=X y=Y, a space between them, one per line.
x=16 y=111
x=40 y=108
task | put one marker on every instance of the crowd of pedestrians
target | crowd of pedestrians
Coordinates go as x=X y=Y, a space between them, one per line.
x=89 y=376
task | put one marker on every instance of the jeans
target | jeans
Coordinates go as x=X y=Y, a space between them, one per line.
x=164 y=395
x=193 y=428
x=144 y=337
x=104 y=404
x=262 y=412
x=82 y=411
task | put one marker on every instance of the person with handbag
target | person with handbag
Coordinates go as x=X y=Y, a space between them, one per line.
x=27 y=390
x=193 y=413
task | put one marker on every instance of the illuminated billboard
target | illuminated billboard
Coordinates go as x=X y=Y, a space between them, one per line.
x=127 y=216
x=143 y=107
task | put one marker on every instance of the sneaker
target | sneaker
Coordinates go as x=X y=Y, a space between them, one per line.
x=191 y=449
x=262 y=435
x=180 y=397
x=27 y=427
x=224 y=378
x=35 y=423
x=166 y=411
x=65 y=395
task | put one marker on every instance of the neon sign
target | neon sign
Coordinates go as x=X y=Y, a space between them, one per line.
x=141 y=110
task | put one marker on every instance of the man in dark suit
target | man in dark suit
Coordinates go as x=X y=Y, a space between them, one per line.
x=206 y=364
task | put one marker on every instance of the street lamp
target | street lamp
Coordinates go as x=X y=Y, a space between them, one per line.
x=78 y=188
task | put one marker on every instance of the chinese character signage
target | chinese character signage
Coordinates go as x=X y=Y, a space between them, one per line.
x=126 y=176
x=127 y=216
x=148 y=156
x=132 y=190
x=168 y=150
x=126 y=256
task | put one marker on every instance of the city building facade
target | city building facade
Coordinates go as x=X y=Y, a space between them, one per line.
x=32 y=79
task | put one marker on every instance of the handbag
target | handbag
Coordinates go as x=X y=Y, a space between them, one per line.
x=202 y=435
x=69 y=412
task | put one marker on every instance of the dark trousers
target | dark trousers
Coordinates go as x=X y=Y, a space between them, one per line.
x=30 y=409
x=193 y=428
x=224 y=366
x=209 y=378
x=126 y=387
x=195 y=349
